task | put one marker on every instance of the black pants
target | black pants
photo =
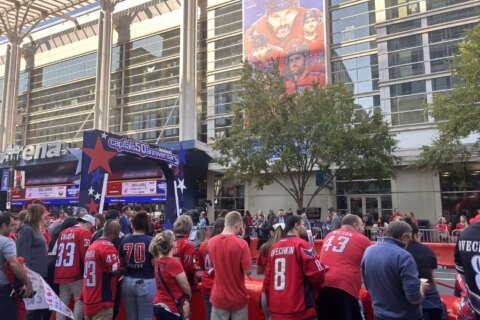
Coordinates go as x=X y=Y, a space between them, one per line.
x=432 y=314
x=8 y=308
x=336 y=304
x=162 y=314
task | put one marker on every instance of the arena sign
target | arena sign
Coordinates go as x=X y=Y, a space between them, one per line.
x=32 y=152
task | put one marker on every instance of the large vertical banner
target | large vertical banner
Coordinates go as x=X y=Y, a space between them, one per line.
x=291 y=32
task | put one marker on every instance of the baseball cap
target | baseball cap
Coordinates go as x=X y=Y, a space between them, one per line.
x=331 y=209
x=297 y=47
x=87 y=218
x=280 y=224
x=312 y=13
x=47 y=214
x=278 y=5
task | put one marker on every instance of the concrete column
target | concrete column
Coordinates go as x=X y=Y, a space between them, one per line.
x=10 y=92
x=104 y=66
x=188 y=74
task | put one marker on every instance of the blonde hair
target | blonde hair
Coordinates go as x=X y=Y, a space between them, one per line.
x=232 y=218
x=277 y=235
x=183 y=225
x=162 y=243
x=34 y=216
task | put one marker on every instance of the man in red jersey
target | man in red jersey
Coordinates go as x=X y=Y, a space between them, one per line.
x=71 y=247
x=281 y=22
x=293 y=272
x=343 y=248
x=299 y=73
x=263 y=54
x=102 y=266
x=231 y=260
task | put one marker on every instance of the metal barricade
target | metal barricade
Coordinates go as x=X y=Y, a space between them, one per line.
x=373 y=233
x=434 y=235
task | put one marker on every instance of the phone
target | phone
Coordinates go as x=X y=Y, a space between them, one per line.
x=21 y=294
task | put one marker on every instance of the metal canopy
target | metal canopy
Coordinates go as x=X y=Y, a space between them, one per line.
x=19 y=17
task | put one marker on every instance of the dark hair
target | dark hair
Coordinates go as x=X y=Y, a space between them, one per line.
x=5 y=218
x=125 y=209
x=218 y=226
x=412 y=224
x=112 y=214
x=396 y=229
x=141 y=222
x=67 y=223
x=292 y=222
x=102 y=219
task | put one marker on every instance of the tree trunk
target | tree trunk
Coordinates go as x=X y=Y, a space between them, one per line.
x=299 y=201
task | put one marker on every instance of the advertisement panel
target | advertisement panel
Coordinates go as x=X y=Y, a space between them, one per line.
x=291 y=32
x=51 y=192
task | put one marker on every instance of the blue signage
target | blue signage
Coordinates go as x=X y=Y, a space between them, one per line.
x=5 y=183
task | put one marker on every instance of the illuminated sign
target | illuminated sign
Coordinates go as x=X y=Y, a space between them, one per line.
x=31 y=152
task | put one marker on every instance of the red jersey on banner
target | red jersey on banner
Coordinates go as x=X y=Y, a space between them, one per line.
x=293 y=272
x=206 y=266
x=263 y=27
x=186 y=254
x=230 y=258
x=170 y=268
x=99 y=284
x=71 y=247
x=343 y=250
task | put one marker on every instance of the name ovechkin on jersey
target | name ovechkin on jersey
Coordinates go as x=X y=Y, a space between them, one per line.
x=282 y=251
x=469 y=245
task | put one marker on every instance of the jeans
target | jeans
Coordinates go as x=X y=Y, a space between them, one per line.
x=162 y=314
x=138 y=297
x=7 y=304
x=208 y=306
x=66 y=291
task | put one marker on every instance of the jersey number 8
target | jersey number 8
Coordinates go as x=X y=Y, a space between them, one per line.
x=279 y=277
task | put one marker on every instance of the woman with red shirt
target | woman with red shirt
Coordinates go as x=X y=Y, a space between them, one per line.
x=171 y=280
x=443 y=228
x=185 y=249
x=206 y=267
x=262 y=260
x=462 y=224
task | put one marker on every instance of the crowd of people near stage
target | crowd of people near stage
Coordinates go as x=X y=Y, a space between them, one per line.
x=100 y=261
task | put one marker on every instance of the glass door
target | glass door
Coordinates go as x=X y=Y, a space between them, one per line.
x=372 y=206
x=356 y=205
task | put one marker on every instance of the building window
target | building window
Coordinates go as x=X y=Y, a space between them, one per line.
x=408 y=109
x=401 y=8
x=229 y=196
x=353 y=22
x=405 y=42
x=453 y=16
x=407 y=88
x=404 y=26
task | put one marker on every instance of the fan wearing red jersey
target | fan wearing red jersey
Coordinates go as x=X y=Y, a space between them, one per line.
x=100 y=277
x=205 y=264
x=343 y=248
x=71 y=247
x=293 y=272
x=185 y=250
x=231 y=260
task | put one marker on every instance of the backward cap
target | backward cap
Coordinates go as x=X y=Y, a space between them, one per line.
x=278 y=5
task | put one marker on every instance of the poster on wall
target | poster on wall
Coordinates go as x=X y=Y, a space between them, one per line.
x=288 y=31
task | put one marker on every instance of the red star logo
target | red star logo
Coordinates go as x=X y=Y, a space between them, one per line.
x=177 y=171
x=99 y=156
x=92 y=206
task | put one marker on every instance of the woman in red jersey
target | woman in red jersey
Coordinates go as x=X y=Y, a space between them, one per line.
x=171 y=280
x=184 y=248
x=205 y=264
x=462 y=224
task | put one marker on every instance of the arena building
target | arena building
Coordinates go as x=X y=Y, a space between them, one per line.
x=174 y=67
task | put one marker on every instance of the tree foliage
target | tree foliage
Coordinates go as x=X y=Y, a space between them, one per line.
x=274 y=134
x=457 y=112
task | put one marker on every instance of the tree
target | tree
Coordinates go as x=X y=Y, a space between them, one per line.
x=457 y=112
x=275 y=134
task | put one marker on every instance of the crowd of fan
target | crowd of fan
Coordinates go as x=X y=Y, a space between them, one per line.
x=100 y=261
